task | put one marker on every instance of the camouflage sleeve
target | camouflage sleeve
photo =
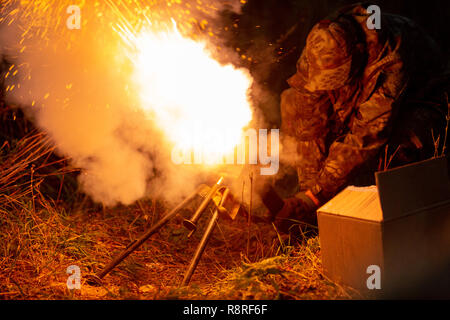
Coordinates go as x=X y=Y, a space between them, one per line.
x=369 y=131
x=304 y=122
x=304 y=114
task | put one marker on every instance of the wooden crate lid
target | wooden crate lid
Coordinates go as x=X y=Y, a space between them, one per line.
x=355 y=202
x=399 y=192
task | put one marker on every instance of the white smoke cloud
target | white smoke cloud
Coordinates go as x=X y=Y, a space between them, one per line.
x=75 y=85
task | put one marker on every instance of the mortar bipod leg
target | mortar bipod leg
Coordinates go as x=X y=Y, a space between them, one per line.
x=204 y=241
x=138 y=242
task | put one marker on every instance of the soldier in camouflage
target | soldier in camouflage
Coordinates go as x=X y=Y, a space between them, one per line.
x=356 y=91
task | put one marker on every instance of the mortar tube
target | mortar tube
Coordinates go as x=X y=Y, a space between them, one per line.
x=191 y=224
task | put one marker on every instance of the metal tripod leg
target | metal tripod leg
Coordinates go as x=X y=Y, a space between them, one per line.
x=138 y=242
x=204 y=241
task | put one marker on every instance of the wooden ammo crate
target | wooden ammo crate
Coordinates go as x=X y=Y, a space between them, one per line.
x=401 y=225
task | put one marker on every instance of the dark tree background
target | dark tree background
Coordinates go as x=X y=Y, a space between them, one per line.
x=273 y=33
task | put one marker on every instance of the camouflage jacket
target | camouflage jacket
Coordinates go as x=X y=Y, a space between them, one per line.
x=338 y=131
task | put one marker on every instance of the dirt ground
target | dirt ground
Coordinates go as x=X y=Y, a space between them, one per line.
x=241 y=261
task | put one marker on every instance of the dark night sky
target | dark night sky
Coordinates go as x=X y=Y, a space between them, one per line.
x=268 y=21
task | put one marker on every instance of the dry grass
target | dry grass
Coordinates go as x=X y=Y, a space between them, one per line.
x=47 y=225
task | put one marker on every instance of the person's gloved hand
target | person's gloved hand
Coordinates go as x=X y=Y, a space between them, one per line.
x=300 y=208
x=284 y=213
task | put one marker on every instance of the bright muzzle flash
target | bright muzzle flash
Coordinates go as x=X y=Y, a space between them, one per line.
x=198 y=103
